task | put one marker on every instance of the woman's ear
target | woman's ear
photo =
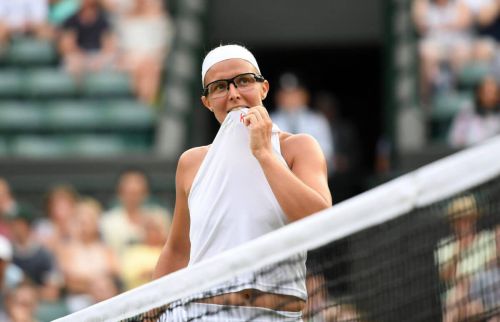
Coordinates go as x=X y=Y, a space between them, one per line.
x=206 y=103
x=264 y=90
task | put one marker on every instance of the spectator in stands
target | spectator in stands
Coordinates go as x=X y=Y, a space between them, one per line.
x=485 y=287
x=343 y=169
x=145 y=35
x=21 y=304
x=24 y=17
x=321 y=307
x=344 y=135
x=476 y=123
x=59 y=226
x=484 y=14
x=294 y=115
x=103 y=287
x=317 y=297
x=488 y=29
x=87 y=42
x=85 y=257
x=10 y=275
x=139 y=261
x=123 y=226
x=461 y=257
x=37 y=262
x=445 y=30
x=8 y=207
x=118 y=8
x=483 y=11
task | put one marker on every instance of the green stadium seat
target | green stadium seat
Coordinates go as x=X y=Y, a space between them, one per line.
x=50 y=83
x=75 y=115
x=28 y=51
x=129 y=114
x=21 y=116
x=107 y=84
x=49 y=311
x=4 y=147
x=472 y=73
x=446 y=105
x=11 y=83
x=38 y=146
x=3 y=55
x=83 y=145
x=99 y=145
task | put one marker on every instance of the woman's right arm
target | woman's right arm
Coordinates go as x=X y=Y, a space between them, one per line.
x=175 y=253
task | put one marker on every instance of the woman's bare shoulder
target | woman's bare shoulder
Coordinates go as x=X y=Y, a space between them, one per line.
x=293 y=145
x=295 y=142
x=194 y=154
x=190 y=161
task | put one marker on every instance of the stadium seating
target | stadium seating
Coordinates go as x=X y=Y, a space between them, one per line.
x=36 y=146
x=105 y=84
x=128 y=115
x=472 y=73
x=45 y=112
x=4 y=149
x=27 y=51
x=49 y=311
x=445 y=107
x=49 y=83
x=74 y=115
x=101 y=145
x=19 y=117
x=11 y=83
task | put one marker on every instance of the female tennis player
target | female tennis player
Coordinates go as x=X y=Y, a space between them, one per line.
x=251 y=180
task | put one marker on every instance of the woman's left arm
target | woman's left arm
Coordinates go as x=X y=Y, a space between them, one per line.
x=301 y=188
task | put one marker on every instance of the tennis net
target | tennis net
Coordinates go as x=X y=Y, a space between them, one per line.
x=423 y=247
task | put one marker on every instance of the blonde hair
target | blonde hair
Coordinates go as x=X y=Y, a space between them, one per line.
x=92 y=204
x=465 y=206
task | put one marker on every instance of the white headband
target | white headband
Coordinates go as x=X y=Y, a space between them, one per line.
x=221 y=53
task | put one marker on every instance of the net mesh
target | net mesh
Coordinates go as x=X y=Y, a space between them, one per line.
x=424 y=247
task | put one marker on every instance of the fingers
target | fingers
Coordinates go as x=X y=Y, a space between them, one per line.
x=250 y=119
x=257 y=115
x=263 y=112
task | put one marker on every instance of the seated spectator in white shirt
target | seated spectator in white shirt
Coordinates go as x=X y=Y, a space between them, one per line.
x=122 y=226
x=24 y=17
x=479 y=121
x=145 y=36
x=445 y=28
x=295 y=116
x=485 y=17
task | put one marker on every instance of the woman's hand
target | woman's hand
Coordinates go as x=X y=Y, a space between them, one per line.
x=259 y=123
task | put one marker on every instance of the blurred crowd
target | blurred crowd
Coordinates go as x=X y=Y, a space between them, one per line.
x=320 y=115
x=133 y=36
x=459 y=52
x=76 y=253
x=468 y=262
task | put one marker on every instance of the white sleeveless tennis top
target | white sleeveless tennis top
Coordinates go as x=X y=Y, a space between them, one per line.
x=231 y=203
